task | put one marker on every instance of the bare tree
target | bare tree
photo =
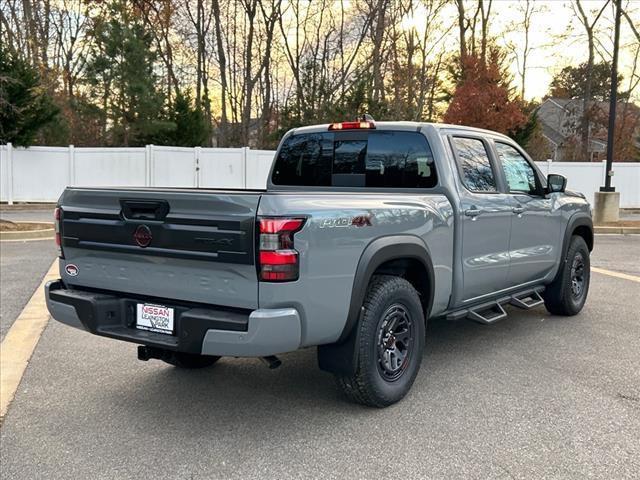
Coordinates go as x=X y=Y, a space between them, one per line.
x=589 y=25
x=70 y=46
x=256 y=66
x=470 y=25
x=378 y=12
x=222 y=67
x=484 y=14
x=201 y=21
x=12 y=33
x=322 y=49
x=527 y=9
x=462 y=30
x=415 y=58
x=159 y=16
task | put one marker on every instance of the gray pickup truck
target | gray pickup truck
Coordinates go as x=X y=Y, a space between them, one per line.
x=365 y=231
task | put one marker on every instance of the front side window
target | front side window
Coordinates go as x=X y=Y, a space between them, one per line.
x=519 y=173
x=474 y=164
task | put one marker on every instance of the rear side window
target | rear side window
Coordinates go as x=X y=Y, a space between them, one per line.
x=474 y=164
x=382 y=159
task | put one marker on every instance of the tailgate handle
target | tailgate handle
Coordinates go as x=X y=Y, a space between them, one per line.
x=144 y=209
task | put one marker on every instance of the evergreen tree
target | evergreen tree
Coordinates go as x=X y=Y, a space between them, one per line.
x=25 y=105
x=122 y=79
x=189 y=124
x=524 y=133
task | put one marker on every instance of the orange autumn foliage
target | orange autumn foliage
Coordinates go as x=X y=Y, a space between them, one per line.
x=482 y=98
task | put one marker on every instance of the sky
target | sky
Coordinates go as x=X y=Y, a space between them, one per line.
x=557 y=38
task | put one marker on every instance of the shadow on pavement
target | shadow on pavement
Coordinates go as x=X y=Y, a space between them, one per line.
x=241 y=393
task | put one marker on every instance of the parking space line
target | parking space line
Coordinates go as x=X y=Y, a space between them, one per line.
x=611 y=273
x=21 y=340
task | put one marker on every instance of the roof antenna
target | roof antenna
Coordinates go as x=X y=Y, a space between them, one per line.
x=365 y=117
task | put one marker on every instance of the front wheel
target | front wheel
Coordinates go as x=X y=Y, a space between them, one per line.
x=390 y=343
x=567 y=293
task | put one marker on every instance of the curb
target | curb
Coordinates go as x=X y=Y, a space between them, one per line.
x=17 y=207
x=46 y=231
x=618 y=230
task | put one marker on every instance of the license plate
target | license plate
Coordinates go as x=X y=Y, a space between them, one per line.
x=155 y=318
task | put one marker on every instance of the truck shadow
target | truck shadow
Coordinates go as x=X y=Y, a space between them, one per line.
x=244 y=393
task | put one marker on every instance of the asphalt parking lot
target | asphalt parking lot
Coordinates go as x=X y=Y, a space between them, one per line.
x=22 y=265
x=530 y=397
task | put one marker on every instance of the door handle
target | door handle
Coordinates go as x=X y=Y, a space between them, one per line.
x=144 y=210
x=472 y=212
x=518 y=210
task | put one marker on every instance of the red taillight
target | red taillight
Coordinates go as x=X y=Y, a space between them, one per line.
x=278 y=260
x=57 y=215
x=277 y=225
x=360 y=125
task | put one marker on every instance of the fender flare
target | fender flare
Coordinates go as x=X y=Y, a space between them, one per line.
x=375 y=254
x=340 y=357
x=579 y=219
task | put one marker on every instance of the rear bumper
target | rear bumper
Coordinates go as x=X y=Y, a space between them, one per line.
x=206 y=331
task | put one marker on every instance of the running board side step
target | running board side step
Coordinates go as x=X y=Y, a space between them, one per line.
x=490 y=312
x=487 y=314
x=527 y=300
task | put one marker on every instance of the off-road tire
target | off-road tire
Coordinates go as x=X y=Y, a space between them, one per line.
x=190 y=360
x=560 y=296
x=368 y=385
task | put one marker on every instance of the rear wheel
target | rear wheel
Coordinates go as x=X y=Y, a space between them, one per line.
x=567 y=294
x=390 y=344
x=190 y=360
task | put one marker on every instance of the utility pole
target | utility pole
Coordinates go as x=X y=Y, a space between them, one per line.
x=613 y=102
x=607 y=200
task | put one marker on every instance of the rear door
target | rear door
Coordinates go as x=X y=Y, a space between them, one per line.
x=486 y=218
x=181 y=245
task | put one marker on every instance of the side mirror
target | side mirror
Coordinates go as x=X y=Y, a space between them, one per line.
x=556 y=183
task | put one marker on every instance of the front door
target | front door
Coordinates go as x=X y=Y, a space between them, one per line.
x=536 y=227
x=486 y=220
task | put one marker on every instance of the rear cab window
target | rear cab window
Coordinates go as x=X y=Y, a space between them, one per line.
x=373 y=158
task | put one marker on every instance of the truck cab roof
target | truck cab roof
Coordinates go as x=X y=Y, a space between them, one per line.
x=404 y=126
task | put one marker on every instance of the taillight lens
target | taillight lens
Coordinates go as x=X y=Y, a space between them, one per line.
x=57 y=215
x=278 y=259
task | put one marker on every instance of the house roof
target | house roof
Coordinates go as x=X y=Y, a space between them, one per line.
x=560 y=119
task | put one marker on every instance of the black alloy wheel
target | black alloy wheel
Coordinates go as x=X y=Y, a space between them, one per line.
x=395 y=338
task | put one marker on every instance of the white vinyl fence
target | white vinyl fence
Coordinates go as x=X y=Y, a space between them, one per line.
x=39 y=174
x=588 y=177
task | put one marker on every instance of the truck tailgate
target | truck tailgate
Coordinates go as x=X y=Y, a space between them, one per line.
x=183 y=245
